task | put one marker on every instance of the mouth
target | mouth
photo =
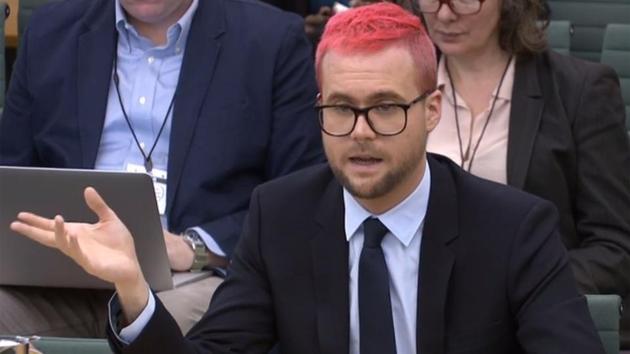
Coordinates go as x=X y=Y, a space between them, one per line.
x=365 y=160
x=449 y=35
x=365 y=165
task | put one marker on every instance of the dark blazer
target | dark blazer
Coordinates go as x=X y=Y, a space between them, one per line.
x=243 y=112
x=301 y=7
x=494 y=276
x=568 y=144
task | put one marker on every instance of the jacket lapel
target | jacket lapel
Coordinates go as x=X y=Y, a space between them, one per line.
x=96 y=47
x=200 y=58
x=436 y=260
x=525 y=116
x=331 y=274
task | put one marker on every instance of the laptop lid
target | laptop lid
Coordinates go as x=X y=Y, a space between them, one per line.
x=49 y=192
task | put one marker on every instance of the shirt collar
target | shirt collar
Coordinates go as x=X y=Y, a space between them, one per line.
x=176 y=33
x=403 y=220
x=444 y=84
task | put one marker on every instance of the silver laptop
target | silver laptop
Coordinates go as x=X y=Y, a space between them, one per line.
x=49 y=192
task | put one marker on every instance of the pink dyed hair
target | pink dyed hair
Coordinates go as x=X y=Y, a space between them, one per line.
x=372 y=28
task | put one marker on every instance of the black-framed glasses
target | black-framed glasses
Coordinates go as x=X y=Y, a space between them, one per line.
x=459 y=7
x=384 y=119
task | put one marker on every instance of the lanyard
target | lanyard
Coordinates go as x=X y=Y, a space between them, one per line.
x=148 y=163
x=464 y=156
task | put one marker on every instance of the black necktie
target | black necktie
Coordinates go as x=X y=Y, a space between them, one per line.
x=375 y=309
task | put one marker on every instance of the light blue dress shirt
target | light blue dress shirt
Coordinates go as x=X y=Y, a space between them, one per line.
x=148 y=76
x=401 y=247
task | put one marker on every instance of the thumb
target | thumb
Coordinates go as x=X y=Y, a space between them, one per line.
x=96 y=203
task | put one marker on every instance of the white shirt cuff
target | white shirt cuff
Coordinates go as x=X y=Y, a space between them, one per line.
x=128 y=334
x=212 y=245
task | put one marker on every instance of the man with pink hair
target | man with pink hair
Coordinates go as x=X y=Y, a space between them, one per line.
x=385 y=249
x=315 y=22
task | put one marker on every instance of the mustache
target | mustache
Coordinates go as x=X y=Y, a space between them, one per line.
x=364 y=148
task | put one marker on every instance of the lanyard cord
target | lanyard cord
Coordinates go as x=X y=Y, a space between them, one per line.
x=463 y=156
x=148 y=163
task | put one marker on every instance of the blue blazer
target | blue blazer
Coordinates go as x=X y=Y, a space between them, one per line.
x=243 y=113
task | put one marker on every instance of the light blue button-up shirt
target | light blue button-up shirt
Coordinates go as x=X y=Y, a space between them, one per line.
x=148 y=76
x=401 y=247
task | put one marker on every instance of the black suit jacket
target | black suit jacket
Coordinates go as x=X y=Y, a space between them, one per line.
x=235 y=124
x=568 y=144
x=301 y=7
x=494 y=276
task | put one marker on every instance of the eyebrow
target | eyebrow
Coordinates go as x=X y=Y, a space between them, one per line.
x=374 y=97
x=385 y=95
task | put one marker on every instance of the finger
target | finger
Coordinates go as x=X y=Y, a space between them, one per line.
x=46 y=238
x=60 y=233
x=96 y=203
x=74 y=249
x=36 y=221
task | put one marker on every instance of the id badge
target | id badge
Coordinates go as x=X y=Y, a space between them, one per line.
x=159 y=184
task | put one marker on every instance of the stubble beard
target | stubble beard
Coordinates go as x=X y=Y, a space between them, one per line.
x=385 y=184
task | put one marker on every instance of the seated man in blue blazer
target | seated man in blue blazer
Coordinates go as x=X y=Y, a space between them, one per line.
x=212 y=97
x=385 y=249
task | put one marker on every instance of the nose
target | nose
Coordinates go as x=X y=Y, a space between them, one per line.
x=445 y=13
x=362 y=129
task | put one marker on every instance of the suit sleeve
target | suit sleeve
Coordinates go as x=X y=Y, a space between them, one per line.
x=602 y=197
x=551 y=315
x=240 y=316
x=16 y=132
x=295 y=140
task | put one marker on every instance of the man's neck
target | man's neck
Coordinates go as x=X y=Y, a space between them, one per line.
x=157 y=32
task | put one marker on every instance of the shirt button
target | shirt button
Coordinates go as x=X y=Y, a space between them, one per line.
x=150 y=60
x=142 y=145
x=178 y=50
x=142 y=100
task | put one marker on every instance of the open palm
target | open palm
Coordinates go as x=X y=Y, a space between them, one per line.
x=104 y=249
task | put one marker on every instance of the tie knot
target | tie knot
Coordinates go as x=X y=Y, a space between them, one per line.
x=374 y=231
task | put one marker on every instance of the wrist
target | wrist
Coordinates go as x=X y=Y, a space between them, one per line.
x=133 y=296
x=201 y=257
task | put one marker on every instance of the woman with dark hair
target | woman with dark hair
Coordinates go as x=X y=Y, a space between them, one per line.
x=515 y=112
